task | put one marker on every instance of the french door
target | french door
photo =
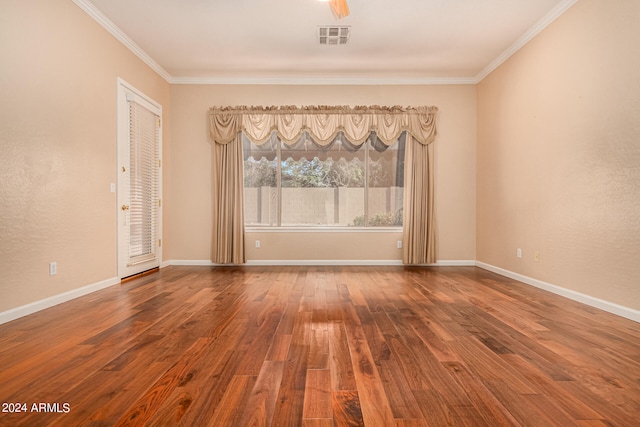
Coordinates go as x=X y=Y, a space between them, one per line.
x=139 y=166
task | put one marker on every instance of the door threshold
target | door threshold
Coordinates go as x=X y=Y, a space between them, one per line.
x=142 y=273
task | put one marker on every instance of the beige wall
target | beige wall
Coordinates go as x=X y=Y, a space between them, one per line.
x=558 y=159
x=559 y=155
x=190 y=227
x=58 y=147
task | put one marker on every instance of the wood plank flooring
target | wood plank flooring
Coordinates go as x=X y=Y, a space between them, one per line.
x=320 y=346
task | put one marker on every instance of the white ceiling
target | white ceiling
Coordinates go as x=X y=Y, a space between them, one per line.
x=227 y=41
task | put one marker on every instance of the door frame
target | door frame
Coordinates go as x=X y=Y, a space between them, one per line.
x=124 y=92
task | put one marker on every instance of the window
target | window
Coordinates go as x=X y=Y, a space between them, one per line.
x=306 y=184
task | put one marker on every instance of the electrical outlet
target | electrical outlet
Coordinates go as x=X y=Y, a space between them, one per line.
x=53 y=268
x=519 y=253
x=257 y=243
x=399 y=244
x=536 y=256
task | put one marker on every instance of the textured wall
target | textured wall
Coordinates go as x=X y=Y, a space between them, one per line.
x=58 y=147
x=559 y=155
x=190 y=226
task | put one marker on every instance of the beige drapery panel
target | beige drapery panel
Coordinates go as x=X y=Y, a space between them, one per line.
x=228 y=203
x=323 y=124
x=419 y=234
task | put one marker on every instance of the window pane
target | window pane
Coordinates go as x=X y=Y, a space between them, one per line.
x=260 y=183
x=322 y=185
x=386 y=183
x=308 y=184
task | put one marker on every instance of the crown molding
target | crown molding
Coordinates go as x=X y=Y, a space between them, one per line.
x=351 y=81
x=526 y=37
x=116 y=32
x=121 y=36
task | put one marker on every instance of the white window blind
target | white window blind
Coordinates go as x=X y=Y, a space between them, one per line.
x=143 y=168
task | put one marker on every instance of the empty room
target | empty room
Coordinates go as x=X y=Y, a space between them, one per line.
x=319 y=213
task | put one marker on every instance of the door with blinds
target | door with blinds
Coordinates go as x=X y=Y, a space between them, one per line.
x=139 y=165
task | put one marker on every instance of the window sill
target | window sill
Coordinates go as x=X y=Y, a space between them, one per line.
x=321 y=229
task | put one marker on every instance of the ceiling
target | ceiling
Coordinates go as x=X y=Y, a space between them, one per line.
x=261 y=41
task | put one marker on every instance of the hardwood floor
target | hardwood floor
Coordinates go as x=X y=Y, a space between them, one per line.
x=321 y=346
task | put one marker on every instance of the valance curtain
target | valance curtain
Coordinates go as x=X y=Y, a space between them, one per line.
x=322 y=123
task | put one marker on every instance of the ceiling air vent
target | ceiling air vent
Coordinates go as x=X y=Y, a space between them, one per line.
x=334 y=35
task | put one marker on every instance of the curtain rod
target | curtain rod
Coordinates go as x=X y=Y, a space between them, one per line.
x=326 y=109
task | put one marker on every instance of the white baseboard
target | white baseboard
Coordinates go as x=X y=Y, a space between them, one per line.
x=200 y=262
x=610 y=307
x=454 y=263
x=324 y=262
x=276 y=262
x=25 y=310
